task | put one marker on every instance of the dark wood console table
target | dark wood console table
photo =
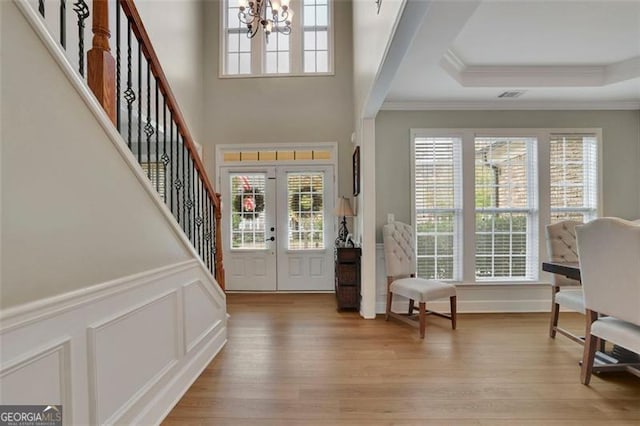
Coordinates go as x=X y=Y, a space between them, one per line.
x=347 y=278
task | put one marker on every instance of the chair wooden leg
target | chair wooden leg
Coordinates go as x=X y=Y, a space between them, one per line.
x=389 y=299
x=423 y=318
x=411 y=305
x=555 y=311
x=454 y=311
x=590 y=346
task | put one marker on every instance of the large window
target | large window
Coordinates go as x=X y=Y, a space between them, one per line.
x=481 y=198
x=437 y=177
x=307 y=50
x=574 y=189
x=505 y=197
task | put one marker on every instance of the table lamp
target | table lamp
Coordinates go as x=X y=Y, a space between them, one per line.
x=343 y=209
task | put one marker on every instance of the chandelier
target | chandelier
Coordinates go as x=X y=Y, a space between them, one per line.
x=265 y=13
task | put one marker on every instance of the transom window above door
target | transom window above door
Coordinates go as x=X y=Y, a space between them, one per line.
x=307 y=50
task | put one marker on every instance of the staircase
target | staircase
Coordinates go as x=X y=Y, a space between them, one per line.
x=136 y=95
x=112 y=284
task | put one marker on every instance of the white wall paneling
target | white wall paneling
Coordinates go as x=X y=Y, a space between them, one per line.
x=47 y=366
x=200 y=321
x=119 y=352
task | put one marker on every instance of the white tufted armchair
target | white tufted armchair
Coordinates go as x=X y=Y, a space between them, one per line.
x=562 y=247
x=610 y=269
x=400 y=261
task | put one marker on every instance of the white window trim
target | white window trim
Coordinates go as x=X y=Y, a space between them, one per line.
x=543 y=204
x=296 y=51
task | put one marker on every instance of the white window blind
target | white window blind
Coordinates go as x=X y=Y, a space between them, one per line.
x=506 y=216
x=574 y=177
x=438 y=206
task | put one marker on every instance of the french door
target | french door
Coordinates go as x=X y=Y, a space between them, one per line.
x=278 y=227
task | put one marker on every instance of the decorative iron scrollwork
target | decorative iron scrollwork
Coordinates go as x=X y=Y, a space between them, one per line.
x=199 y=221
x=178 y=184
x=165 y=159
x=129 y=95
x=189 y=203
x=82 y=10
x=148 y=130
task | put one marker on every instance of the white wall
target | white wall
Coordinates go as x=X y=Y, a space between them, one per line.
x=621 y=152
x=74 y=214
x=281 y=109
x=176 y=30
x=371 y=36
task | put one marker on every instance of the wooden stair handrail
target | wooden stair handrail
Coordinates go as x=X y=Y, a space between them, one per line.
x=130 y=10
x=101 y=80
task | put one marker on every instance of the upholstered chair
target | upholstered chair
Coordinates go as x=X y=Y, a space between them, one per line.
x=565 y=292
x=400 y=261
x=609 y=250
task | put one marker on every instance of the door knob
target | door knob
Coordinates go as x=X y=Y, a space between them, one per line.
x=272 y=239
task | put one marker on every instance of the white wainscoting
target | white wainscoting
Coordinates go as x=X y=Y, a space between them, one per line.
x=120 y=352
x=473 y=297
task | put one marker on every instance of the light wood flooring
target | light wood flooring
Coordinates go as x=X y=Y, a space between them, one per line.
x=291 y=359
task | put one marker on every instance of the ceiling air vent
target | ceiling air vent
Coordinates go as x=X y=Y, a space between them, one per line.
x=511 y=94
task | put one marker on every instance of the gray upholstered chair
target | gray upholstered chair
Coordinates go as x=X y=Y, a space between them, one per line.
x=609 y=251
x=565 y=292
x=400 y=261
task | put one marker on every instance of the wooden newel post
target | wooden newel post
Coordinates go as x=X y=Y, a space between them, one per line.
x=218 y=260
x=101 y=66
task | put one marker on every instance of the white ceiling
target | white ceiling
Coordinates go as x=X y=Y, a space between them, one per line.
x=564 y=53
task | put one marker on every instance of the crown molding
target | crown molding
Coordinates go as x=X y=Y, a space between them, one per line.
x=537 y=75
x=507 y=104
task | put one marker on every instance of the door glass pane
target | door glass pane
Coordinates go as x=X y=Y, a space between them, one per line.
x=305 y=201
x=248 y=211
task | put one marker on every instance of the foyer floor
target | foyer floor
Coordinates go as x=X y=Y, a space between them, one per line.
x=292 y=359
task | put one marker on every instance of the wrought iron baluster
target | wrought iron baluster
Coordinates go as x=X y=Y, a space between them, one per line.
x=184 y=192
x=148 y=128
x=157 y=141
x=200 y=218
x=41 y=7
x=189 y=192
x=63 y=24
x=82 y=10
x=118 y=114
x=179 y=183
x=165 y=157
x=192 y=171
x=129 y=94
x=207 y=234
x=212 y=220
x=172 y=162
x=139 y=102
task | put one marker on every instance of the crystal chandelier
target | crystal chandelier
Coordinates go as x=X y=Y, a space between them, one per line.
x=265 y=13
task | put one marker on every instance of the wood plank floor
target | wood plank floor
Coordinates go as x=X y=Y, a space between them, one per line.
x=292 y=359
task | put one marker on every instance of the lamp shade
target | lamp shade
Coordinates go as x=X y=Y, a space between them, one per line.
x=344 y=208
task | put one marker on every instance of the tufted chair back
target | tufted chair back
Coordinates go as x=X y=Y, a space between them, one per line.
x=562 y=247
x=610 y=267
x=399 y=251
